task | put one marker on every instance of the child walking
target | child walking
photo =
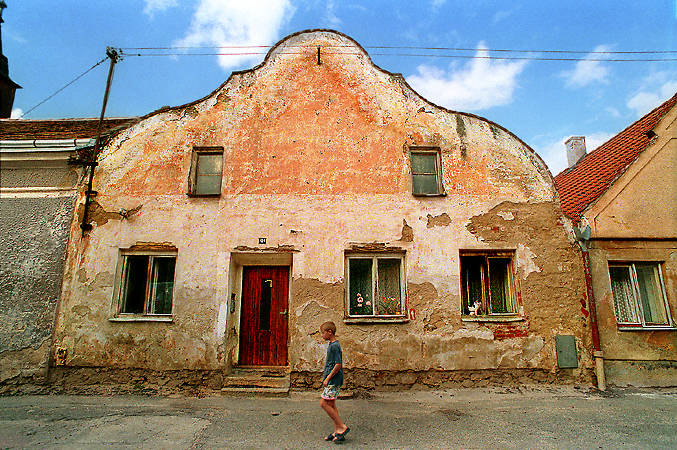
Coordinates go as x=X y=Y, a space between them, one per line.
x=332 y=380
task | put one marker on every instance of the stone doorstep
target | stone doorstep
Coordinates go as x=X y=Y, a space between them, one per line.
x=256 y=392
x=259 y=381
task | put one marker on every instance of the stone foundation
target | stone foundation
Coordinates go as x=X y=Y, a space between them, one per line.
x=383 y=380
x=108 y=381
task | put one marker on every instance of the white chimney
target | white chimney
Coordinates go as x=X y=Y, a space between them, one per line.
x=575 y=149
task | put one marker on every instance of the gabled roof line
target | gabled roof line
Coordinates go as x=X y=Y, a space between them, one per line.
x=398 y=76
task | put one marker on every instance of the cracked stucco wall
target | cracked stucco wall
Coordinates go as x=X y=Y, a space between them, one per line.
x=316 y=158
x=33 y=238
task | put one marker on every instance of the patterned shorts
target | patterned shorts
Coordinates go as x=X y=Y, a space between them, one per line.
x=331 y=392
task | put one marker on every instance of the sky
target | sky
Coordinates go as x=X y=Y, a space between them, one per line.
x=50 y=43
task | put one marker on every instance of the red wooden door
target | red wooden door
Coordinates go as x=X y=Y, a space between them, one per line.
x=263 y=320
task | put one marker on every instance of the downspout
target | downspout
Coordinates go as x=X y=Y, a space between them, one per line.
x=582 y=238
x=114 y=56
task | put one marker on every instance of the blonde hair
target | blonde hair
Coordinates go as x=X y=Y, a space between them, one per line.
x=331 y=326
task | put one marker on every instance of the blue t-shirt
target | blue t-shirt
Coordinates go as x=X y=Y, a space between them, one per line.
x=334 y=356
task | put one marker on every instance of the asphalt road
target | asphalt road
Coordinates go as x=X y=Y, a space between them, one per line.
x=543 y=417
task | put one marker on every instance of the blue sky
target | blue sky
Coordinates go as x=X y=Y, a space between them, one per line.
x=49 y=43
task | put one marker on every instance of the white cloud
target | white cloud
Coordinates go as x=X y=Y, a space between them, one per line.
x=330 y=14
x=587 y=72
x=158 y=5
x=554 y=151
x=226 y=23
x=648 y=98
x=17 y=113
x=479 y=84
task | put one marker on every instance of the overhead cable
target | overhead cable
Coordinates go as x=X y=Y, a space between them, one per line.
x=66 y=85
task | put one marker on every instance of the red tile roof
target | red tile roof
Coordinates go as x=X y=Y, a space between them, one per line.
x=17 y=129
x=585 y=182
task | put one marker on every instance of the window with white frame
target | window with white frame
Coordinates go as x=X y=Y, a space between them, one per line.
x=146 y=283
x=206 y=171
x=426 y=171
x=639 y=294
x=487 y=283
x=375 y=285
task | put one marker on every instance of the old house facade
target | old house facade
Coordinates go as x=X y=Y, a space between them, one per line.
x=622 y=198
x=317 y=187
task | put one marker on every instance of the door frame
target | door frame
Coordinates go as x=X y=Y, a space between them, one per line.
x=239 y=260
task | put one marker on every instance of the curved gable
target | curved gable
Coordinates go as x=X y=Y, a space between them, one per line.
x=323 y=127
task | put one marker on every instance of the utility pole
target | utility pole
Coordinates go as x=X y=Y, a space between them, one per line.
x=114 y=56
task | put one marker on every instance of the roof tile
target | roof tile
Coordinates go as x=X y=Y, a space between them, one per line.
x=585 y=182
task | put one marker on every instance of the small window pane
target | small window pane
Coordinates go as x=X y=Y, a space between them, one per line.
x=163 y=285
x=624 y=298
x=424 y=163
x=499 y=285
x=361 y=302
x=389 y=300
x=134 y=289
x=208 y=184
x=209 y=164
x=471 y=278
x=264 y=308
x=425 y=184
x=651 y=294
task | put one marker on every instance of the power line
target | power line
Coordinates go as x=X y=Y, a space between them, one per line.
x=395 y=47
x=66 y=85
x=421 y=55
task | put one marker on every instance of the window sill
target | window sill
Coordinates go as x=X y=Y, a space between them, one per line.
x=373 y=320
x=441 y=194
x=133 y=318
x=492 y=319
x=647 y=328
x=203 y=195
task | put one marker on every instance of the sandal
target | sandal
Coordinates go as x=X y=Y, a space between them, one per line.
x=330 y=437
x=340 y=437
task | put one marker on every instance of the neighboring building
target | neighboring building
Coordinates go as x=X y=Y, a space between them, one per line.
x=317 y=187
x=7 y=86
x=623 y=195
x=38 y=190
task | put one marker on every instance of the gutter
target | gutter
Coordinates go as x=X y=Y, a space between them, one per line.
x=582 y=238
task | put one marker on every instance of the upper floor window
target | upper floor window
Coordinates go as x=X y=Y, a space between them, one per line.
x=206 y=171
x=487 y=284
x=426 y=171
x=639 y=294
x=375 y=285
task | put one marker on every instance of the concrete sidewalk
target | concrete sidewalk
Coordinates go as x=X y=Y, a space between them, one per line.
x=542 y=417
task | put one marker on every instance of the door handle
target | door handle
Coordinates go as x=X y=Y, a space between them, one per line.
x=284 y=313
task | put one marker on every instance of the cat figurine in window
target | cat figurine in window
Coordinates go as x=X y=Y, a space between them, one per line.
x=475 y=308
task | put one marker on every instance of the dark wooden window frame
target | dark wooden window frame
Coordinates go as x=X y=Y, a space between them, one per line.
x=120 y=286
x=192 y=178
x=513 y=287
x=438 y=163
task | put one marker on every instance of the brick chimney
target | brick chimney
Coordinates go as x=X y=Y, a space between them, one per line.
x=575 y=149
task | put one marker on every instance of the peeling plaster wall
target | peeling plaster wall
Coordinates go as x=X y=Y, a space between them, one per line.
x=316 y=158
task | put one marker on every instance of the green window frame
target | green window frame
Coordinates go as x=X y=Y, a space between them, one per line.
x=206 y=172
x=426 y=171
x=375 y=285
